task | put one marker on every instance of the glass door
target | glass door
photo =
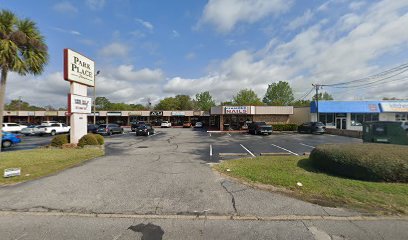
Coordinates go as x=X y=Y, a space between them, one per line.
x=341 y=123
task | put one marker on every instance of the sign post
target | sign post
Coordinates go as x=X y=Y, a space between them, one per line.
x=79 y=71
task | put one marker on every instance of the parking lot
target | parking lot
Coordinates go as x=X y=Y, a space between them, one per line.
x=224 y=145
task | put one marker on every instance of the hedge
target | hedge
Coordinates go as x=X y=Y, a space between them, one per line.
x=284 y=127
x=363 y=161
x=100 y=139
x=88 y=139
x=60 y=140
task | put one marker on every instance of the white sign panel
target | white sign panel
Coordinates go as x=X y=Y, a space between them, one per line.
x=394 y=106
x=79 y=104
x=78 y=68
x=237 y=110
x=178 y=113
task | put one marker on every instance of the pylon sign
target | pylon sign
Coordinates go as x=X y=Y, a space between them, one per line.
x=80 y=72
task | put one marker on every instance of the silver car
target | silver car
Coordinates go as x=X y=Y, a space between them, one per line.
x=33 y=130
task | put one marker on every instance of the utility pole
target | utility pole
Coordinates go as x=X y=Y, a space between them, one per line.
x=317 y=87
x=94 y=98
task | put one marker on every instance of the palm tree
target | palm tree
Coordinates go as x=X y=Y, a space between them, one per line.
x=22 y=50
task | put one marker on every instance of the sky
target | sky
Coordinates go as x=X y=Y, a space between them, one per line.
x=151 y=49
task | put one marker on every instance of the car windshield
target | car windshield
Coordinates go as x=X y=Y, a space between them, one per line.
x=102 y=126
x=319 y=124
x=142 y=127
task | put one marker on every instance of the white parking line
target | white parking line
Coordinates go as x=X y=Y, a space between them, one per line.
x=210 y=150
x=210 y=134
x=247 y=150
x=229 y=134
x=306 y=145
x=285 y=149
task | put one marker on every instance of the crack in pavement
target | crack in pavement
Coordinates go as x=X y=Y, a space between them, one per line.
x=232 y=196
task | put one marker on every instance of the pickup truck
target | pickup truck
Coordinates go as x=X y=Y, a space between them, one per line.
x=55 y=128
x=259 y=128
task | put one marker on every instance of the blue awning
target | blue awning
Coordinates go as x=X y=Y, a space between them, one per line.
x=346 y=107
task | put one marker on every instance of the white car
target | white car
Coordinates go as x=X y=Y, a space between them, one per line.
x=165 y=124
x=54 y=129
x=198 y=125
x=12 y=127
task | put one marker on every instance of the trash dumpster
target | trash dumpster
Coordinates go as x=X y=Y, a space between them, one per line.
x=385 y=132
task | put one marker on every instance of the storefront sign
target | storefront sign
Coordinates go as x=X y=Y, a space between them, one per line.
x=78 y=68
x=394 y=106
x=196 y=113
x=91 y=114
x=156 y=113
x=79 y=104
x=114 y=114
x=373 y=107
x=178 y=113
x=135 y=113
x=236 y=110
x=11 y=113
x=51 y=113
x=30 y=113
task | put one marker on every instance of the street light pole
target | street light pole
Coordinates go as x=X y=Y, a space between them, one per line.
x=94 y=98
x=317 y=86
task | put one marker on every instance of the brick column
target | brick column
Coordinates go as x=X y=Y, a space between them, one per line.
x=221 y=122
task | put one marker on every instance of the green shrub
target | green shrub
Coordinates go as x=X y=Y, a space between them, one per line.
x=100 y=139
x=60 y=140
x=368 y=161
x=284 y=127
x=88 y=139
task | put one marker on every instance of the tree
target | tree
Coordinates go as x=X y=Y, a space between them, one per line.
x=184 y=102
x=392 y=98
x=168 y=103
x=301 y=103
x=19 y=105
x=247 y=97
x=22 y=50
x=323 y=96
x=102 y=103
x=204 y=101
x=279 y=94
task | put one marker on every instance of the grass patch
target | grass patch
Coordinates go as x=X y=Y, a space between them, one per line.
x=318 y=187
x=42 y=162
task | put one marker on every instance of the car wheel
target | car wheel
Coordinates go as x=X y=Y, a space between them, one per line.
x=53 y=132
x=122 y=131
x=6 y=144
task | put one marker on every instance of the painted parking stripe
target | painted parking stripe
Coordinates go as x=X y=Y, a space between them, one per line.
x=246 y=149
x=211 y=151
x=306 y=145
x=285 y=149
x=229 y=134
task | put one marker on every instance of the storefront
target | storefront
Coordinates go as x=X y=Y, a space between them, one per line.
x=237 y=117
x=351 y=114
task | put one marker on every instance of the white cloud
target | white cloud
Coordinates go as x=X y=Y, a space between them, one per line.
x=351 y=48
x=65 y=7
x=357 y=5
x=73 y=32
x=95 y=4
x=114 y=49
x=175 y=34
x=149 y=26
x=190 y=56
x=225 y=14
x=301 y=20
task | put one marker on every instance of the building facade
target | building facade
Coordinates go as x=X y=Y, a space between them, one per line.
x=351 y=114
x=236 y=117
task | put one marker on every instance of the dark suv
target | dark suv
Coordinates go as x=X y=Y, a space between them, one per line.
x=259 y=128
x=145 y=130
x=312 y=127
x=109 y=129
x=135 y=125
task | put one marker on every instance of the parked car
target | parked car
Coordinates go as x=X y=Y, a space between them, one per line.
x=135 y=125
x=53 y=129
x=165 y=124
x=312 y=127
x=259 y=128
x=33 y=130
x=27 y=124
x=92 y=128
x=145 y=130
x=48 y=123
x=198 y=125
x=187 y=125
x=109 y=129
x=9 y=139
x=12 y=127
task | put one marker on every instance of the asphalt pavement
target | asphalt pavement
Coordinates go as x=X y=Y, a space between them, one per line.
x=163 y=187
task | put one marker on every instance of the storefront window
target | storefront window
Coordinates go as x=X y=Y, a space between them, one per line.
x=327 y=118
x=401 y=116
x=357 y=119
